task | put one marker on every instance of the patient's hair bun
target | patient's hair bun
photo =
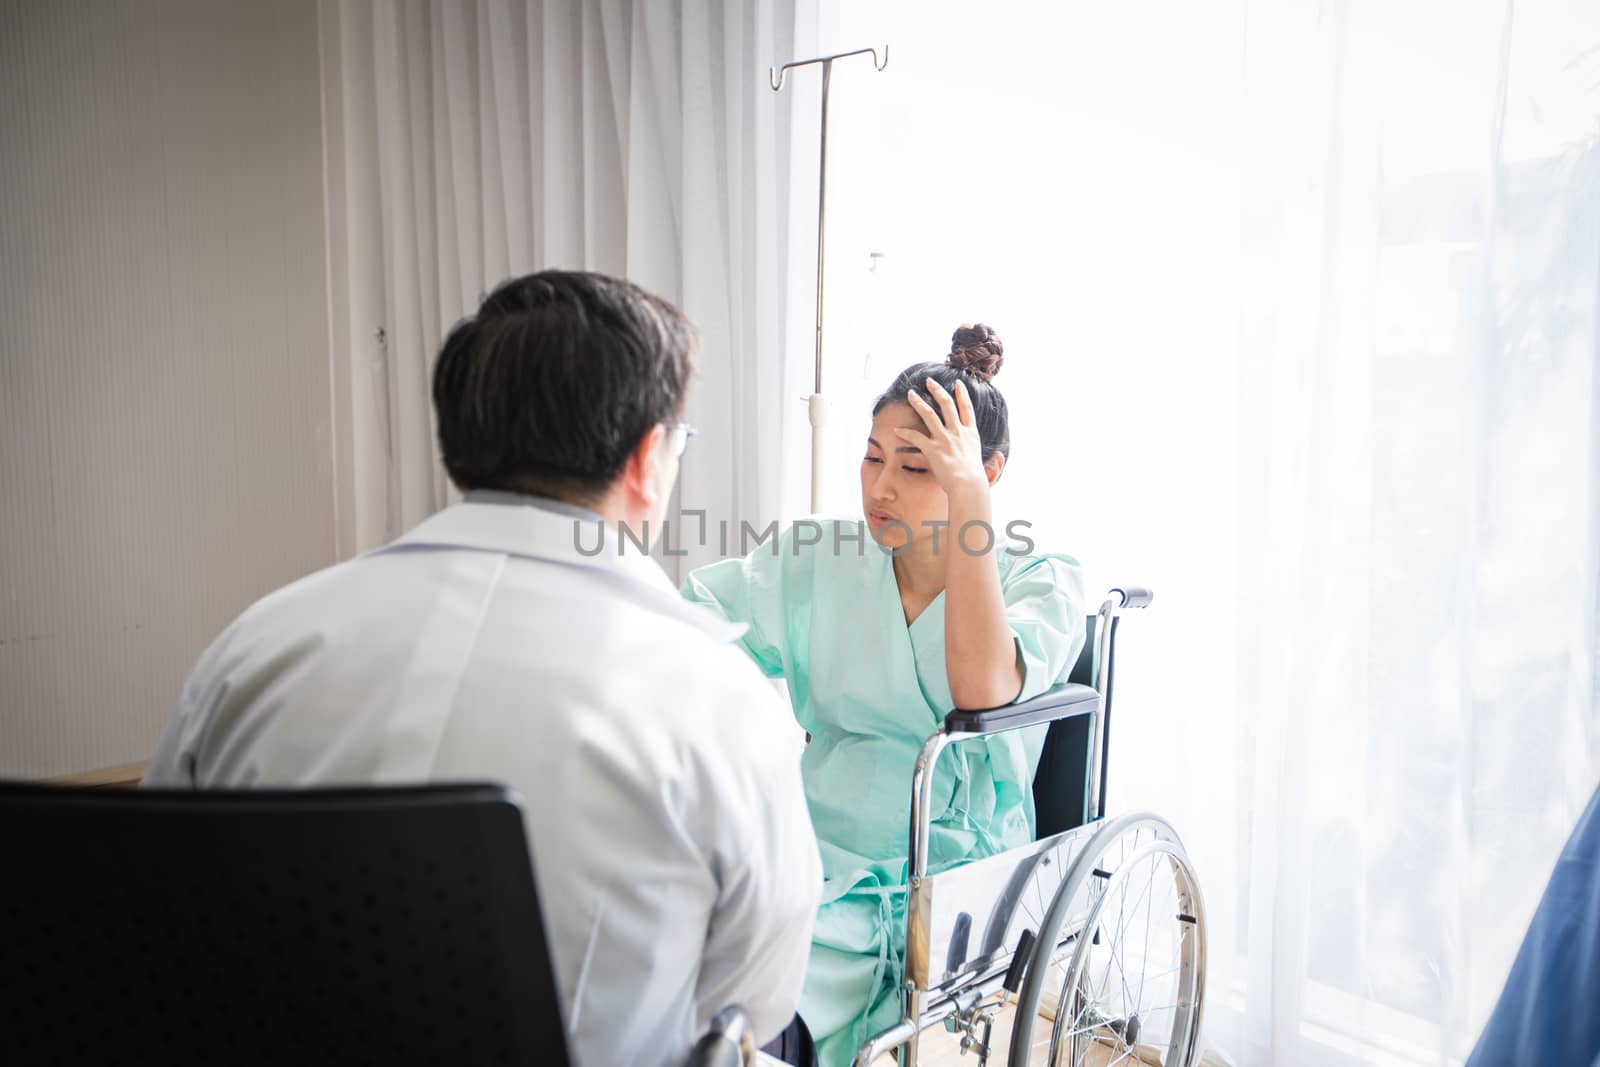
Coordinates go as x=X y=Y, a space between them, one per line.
x=977 y=350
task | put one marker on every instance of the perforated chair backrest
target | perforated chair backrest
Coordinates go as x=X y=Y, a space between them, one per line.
x=1061 y=782
x=381 y=926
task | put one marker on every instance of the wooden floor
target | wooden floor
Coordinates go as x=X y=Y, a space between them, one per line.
x=941 y=1049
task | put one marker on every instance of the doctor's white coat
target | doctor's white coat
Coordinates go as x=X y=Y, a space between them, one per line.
x=672 y=848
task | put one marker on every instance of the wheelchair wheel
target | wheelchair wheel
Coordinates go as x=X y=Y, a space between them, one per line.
x=1117 y=972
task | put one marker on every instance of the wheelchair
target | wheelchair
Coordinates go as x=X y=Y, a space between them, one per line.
x=1095 y=933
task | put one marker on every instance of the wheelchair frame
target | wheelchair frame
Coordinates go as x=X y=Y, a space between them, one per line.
x=939 y=907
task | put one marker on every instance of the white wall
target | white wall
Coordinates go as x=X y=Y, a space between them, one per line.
x=165 y=445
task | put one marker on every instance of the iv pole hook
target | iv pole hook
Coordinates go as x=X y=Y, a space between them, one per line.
x=777 y=76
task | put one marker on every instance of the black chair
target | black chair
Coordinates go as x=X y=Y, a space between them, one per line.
x=357 y=926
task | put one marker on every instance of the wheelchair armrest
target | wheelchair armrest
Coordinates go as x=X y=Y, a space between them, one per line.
x=1061 y=702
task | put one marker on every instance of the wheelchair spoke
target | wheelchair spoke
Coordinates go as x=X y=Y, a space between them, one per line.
x=1164 y=974
x=1114 y=953
x=1105 y=981
x=1132 y=1051
x=1033 y=900
x=1097 y=1004
x=1147 y=897
x=1073 y=1028
x=1086 y=1032
x=1116 y=947
x=1113 y=943
x=1080 y=1031
x=1144 y=959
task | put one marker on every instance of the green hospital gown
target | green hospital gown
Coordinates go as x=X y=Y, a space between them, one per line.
x=870 y=690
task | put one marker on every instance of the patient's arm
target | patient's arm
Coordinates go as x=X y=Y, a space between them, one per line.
x=980 y=651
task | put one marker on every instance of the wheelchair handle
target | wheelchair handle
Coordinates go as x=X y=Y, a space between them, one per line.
x=1135 y=596
x=1117 y=600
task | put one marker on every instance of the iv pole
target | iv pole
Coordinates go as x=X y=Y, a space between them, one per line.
x=815 y=404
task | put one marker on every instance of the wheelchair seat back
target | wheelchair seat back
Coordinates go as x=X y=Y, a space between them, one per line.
x=1061 y=782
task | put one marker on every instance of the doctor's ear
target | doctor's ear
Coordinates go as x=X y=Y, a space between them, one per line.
x=642 y=475
x=994 y=466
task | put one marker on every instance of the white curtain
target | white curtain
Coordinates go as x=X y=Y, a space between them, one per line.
x=471 y=142
x=1301 y=303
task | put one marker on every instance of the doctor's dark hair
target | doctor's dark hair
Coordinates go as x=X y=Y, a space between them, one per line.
x=975 y=358
x=550 y=387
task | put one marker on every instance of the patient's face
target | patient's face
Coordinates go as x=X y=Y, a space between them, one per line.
x=898 y=484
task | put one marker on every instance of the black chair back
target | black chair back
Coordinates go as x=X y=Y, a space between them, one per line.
x=361 y=926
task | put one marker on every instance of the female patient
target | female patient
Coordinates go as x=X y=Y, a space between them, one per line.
x=878 y=642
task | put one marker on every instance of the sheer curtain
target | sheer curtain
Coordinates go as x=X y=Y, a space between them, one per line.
x=470 y=142
x=1302 y=312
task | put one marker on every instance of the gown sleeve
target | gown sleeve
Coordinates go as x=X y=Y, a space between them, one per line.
x=748 y=590
x=1045 y=607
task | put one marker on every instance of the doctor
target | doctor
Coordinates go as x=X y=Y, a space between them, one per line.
x=660 y=773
